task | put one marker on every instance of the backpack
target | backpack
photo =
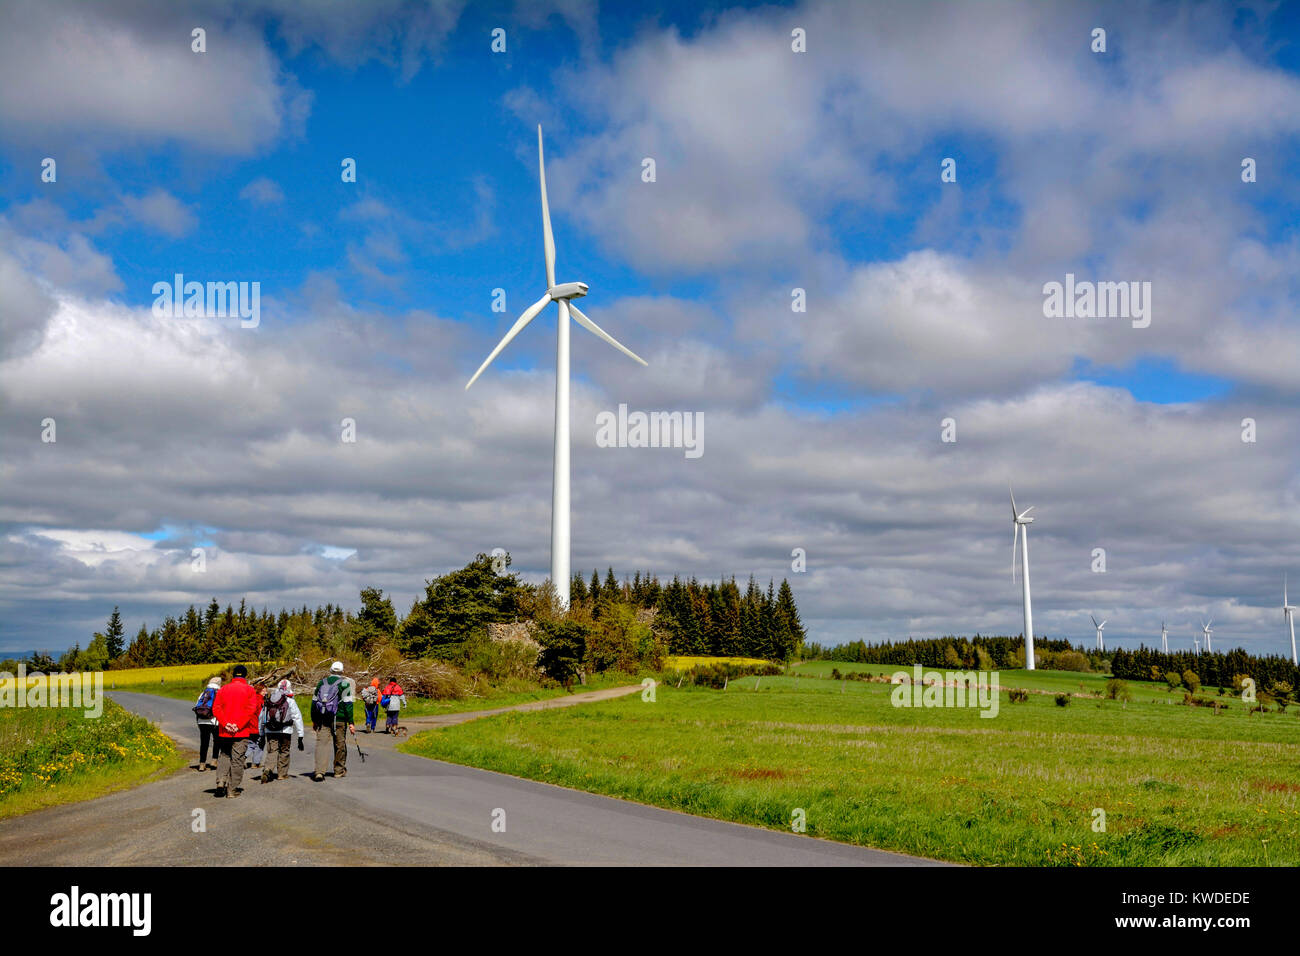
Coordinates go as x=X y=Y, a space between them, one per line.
x=383 y=701
x=277 y=715
x=327 y=697
x=203 y=709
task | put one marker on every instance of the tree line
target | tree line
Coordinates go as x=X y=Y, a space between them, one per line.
x=1214 y=668
x=625 y=622
x=980 y=652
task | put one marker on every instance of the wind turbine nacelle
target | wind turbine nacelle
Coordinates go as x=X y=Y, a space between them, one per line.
x=567 y=290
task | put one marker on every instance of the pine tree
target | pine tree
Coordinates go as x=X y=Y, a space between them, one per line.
x=113 y=637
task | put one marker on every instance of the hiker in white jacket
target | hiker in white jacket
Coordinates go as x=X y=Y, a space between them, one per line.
x=279 y=720
x=207 y=724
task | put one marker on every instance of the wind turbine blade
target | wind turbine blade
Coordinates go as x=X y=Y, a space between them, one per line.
x=1284 y=600
x=1094 y=620
x=548 y=238
x=1013 y=505
x=1015 y=539
x=515 y=329
x=596 y=330
x=1102 y=624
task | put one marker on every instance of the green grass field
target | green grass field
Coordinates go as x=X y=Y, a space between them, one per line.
x=1178 y=785
x=1056 y=682
x=55 y=755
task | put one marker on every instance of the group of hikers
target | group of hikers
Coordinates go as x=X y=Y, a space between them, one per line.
x=240 y=721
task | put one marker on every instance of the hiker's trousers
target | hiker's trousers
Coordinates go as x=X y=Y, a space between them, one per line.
x=207 y=734
x=332 y=741
x=277 y=755
x=230 y=761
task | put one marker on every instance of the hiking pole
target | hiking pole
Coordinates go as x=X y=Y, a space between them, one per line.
x=359 y=750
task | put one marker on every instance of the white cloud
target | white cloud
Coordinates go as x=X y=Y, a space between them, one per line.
x=160 y=210
x=262 y=191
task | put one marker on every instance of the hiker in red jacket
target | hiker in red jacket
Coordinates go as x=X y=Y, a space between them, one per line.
x=236 y=708
x=393 y=699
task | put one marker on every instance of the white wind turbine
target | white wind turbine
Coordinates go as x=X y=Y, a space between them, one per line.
x=1101 y=640
x=1018 y=522
x=562 y=295
x=1164 y=638
x=1207 y=630
x=1287 y=610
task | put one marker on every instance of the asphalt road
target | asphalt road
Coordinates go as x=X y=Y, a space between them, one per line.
x=393 y=808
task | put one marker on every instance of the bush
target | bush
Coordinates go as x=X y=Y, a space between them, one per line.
x=619 y=641
x=1192 y=681
x=1174 y=680
x=499 y=661
x=1070 y=661
x=1062 y=700
x=1117 y=689
x=1017 y=695
x=1281 y=693
x=564 y=649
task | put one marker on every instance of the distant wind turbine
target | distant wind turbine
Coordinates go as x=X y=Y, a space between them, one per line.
x=1164 y=638
x=562 y=295
x=1101 y=638
x=1207 y=631
x=1287 y=612
x=1019 y=521
x=1197 y=640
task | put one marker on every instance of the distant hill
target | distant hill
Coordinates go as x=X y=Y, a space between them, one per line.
x=7 y=655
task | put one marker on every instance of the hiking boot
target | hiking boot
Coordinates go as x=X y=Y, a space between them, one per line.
x=201 y=768
x=212 y=766
x=318 y=777
x=221 y=791
x=235 y=793
x=266 y=778
x=340 y=773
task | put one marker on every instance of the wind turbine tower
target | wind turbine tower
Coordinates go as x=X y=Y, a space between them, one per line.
x=562 y=295
x=1020 y=521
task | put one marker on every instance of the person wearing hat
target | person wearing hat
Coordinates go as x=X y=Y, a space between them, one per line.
x=207 y=724
x=236 y=708
x=331 y=719
x=280 y=718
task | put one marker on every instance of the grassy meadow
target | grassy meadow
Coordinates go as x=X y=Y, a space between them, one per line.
x=54 y=755
x=1178 y=785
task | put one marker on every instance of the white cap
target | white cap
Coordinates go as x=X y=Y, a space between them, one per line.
x=336 y=667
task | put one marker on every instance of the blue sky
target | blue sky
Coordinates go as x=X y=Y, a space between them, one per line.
x=775 y=170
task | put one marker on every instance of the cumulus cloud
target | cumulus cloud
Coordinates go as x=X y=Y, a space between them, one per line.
x=160 y=210
x=194 y=424
x=262 y=191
